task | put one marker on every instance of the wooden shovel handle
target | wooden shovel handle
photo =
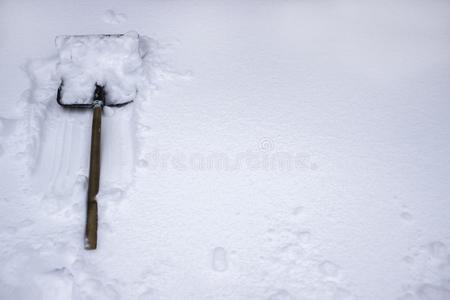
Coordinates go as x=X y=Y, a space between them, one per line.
x=94 y=181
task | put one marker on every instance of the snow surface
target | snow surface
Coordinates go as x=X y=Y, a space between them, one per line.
x=275 y=150
x=112 y=61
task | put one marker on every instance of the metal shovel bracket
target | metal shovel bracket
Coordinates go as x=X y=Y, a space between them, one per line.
x=99 y=95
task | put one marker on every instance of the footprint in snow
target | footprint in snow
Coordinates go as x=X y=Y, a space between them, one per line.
x=406 y=216
x=111 y=17
x=430 y=263
x=219 y=259
x=297 y=211
x=437 y=250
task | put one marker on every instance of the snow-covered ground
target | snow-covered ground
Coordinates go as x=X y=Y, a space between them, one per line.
x=275 y=150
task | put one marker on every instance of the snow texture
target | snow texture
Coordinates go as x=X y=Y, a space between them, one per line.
x=112 y=17
x=110 y=61
x=274 y=150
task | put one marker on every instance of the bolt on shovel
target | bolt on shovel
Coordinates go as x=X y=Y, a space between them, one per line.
x=98 y=102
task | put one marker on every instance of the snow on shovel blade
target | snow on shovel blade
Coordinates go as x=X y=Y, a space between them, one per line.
x=108 y=60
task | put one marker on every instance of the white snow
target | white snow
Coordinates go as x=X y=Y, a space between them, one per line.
x=274 y=150
x=110 y=61
x=219 y=260
x=112 y=17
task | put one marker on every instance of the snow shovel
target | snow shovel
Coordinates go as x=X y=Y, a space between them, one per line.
x=97 y=101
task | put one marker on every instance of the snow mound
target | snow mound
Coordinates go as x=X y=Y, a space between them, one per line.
x=113 y=61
